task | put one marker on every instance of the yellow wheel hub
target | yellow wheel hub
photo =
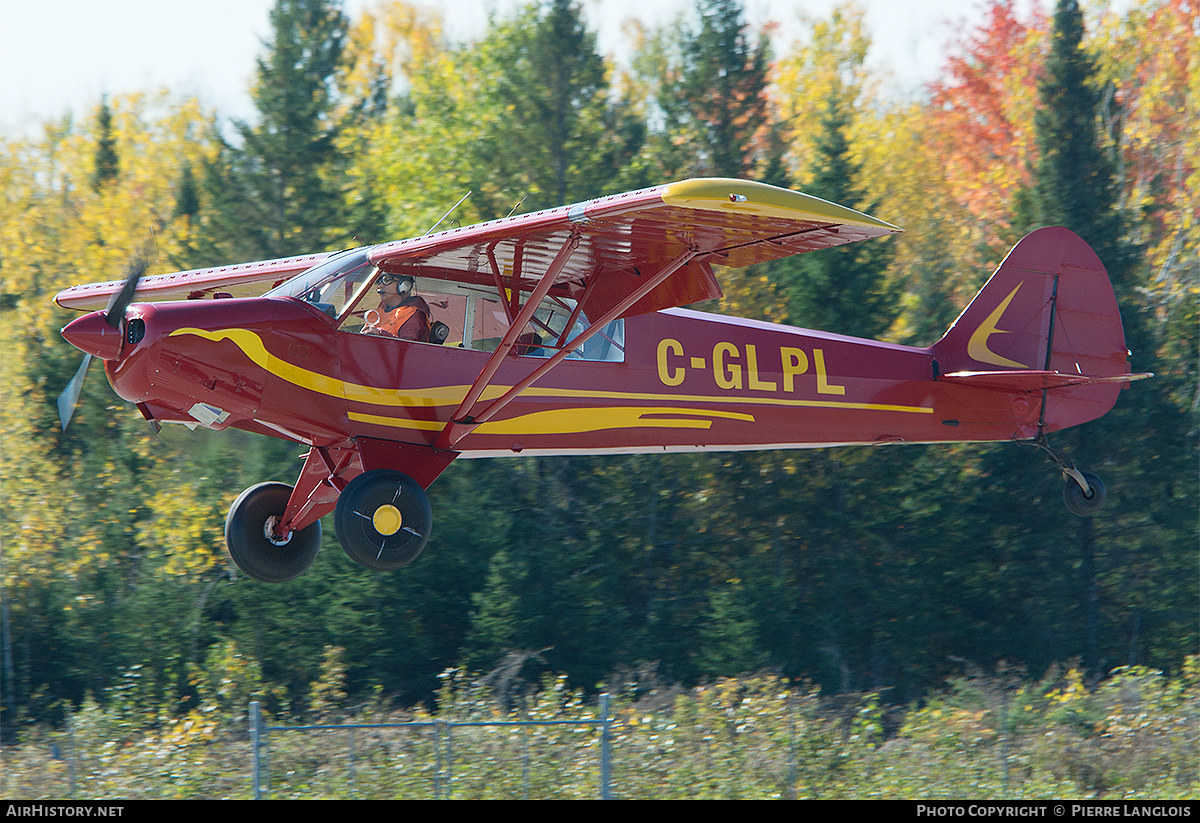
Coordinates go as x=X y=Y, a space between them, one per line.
x=387 y=520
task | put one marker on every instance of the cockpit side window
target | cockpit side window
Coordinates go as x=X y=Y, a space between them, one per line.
x=376 y=308
x=471 y=316
x=543 y=335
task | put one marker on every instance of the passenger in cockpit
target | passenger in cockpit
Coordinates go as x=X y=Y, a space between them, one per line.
x=401 y=313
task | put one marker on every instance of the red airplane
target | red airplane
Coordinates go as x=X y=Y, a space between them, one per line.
x=559 y=332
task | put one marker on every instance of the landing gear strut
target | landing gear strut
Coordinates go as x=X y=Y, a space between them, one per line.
x=1083 y=492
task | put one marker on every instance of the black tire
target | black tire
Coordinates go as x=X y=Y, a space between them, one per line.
x=1084 y=505
x=383 y=519
x=246 y=536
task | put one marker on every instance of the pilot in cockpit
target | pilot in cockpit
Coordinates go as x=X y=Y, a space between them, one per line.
x=401 y=313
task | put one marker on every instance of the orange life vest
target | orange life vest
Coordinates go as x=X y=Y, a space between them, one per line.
x=408 y=322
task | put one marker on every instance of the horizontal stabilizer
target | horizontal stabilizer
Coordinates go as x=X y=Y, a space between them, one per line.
x=1027 y=380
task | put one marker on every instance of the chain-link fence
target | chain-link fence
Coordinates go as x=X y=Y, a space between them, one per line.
x=439 y=759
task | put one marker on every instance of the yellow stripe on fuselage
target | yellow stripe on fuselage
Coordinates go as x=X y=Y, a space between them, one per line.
x=252 y=346
x=574 y=421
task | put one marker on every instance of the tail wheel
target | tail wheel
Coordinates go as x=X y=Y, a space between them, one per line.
x=383 y=519
x=1079 y=502
x=249 y=534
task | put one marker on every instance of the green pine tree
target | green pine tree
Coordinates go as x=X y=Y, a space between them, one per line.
x=560 y=138
x=496 y=624
x=274 y=193
x=823 y=507
x=187 y=196
x=728 y=644
x=845 y=289
x=1145 y=438
x=1075 y=183
x=107 y=164
x=716 y=96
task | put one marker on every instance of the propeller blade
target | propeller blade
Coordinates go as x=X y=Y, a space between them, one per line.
x=69 y=399
x=122 y=299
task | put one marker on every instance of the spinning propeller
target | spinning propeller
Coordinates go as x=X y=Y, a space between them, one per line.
x=99 y=334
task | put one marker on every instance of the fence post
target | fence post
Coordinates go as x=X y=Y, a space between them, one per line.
x=793 y=765
x=525 y=760
x=71 y=752
x=605 y=750
x=439 y=745
x=255 y=742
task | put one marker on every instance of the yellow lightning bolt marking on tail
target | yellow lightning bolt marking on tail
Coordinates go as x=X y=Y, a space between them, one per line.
x=977 y=346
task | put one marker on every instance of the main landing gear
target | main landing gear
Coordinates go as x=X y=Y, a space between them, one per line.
x=1083 y=492
x=253 y=545
x=382 y=519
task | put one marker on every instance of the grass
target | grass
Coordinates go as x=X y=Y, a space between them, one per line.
x=1136 y=734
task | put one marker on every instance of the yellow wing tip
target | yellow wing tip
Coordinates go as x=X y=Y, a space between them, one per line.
x=752 y=197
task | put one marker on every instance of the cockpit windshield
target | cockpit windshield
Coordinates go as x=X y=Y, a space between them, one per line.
x=333 y=285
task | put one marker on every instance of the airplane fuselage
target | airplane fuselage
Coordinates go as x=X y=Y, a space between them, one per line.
x=686 y=381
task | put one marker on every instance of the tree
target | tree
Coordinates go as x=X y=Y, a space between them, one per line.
x=1150 y=65
x=365 y=87
x=273 y=195
x=559 y=132
x=528 y=112
x=496 y=625
x=857 y=568
x=107 y=164
x=723 y=86
x=983 y=109
x=728 y=636
x=77 y=575
x=1074 y=185
x=833 y=57
x=821 y=155
x=1074 y=182
x=708 y=80
x=844 y=289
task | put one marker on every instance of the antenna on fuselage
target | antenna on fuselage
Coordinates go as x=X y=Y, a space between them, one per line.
x=447 y=214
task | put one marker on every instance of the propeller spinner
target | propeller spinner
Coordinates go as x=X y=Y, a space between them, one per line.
x=98 y=335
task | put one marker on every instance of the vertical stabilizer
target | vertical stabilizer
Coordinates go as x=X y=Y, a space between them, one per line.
x=1049 y=307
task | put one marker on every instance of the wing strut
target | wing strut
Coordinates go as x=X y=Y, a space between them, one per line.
x=462 y=416
x=463 y=423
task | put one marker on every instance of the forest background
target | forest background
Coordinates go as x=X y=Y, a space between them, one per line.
x=858 y=570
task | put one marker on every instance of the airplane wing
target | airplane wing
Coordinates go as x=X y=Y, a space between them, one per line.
x=617 y=242
x=244 y=280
